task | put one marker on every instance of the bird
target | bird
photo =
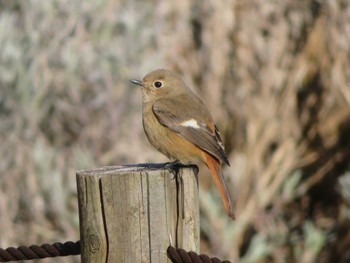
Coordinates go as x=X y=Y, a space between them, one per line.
x=179 y=125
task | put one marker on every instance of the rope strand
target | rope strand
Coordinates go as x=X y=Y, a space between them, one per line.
x=73 y=248
x=36 y=252
x=181 y=256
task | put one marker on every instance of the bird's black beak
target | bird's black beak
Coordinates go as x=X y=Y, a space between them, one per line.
x=136 y=82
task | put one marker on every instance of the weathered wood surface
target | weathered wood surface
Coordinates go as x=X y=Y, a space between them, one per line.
x=133 y=213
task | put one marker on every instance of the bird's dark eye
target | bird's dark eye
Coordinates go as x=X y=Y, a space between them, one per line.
x=158 y=84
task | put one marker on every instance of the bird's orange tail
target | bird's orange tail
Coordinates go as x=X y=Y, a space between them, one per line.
x=215 y=168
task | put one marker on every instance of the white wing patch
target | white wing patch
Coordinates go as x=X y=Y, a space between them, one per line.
x=190 y=123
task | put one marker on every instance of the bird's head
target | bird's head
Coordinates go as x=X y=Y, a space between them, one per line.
x=159 y=84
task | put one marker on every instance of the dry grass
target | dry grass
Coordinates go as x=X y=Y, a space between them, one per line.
x=275 y=75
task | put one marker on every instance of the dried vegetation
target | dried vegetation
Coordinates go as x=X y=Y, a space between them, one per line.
x=275 y=75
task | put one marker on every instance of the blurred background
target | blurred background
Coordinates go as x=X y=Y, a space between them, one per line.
x=274 y=74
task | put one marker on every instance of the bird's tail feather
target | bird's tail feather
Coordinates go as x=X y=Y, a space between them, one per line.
x=215 y=168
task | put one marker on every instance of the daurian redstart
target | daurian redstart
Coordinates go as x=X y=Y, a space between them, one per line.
x=179 y=125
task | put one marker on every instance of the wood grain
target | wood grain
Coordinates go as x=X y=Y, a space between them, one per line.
x=133 y=213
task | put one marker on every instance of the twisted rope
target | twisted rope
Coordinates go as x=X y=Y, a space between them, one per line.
x=181 y=256
x=73 y=248
x=44 y=251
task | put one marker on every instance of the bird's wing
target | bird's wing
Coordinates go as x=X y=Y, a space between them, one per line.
x=193 y=123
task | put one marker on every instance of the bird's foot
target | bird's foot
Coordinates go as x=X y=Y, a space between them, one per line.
x=173 y=164
x=174 y=167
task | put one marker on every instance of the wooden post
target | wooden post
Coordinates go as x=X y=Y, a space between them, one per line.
x=133 y=213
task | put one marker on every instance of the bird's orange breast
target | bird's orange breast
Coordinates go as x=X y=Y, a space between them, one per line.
x=168 y=142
